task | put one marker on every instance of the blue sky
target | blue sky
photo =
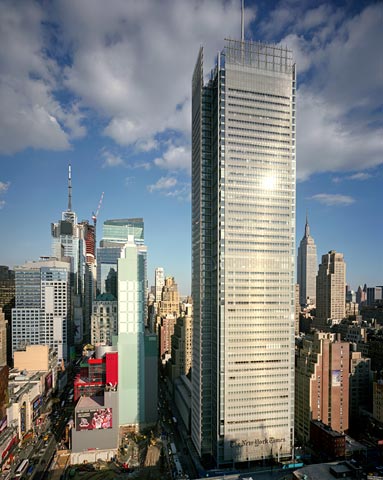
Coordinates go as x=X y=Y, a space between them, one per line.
x=106 y=86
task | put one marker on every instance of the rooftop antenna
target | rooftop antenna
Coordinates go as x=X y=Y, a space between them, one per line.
x=69 y=188
x=243 y=21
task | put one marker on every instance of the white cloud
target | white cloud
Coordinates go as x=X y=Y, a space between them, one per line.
x=325 y=143
x=30 y=115
x=112 y=160
x=340 y=83
x=336 y=199
x=129 y=180
x=175 y=158
x=164 y=183
x=2 y=203
x=133 y=61
x=4 y=186
x=172 y=188
x=361 y=176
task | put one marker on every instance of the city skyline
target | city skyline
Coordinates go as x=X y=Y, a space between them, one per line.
x=77 y=89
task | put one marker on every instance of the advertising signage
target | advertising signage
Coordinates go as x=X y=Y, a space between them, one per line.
x=94 y=419
x=48 y=382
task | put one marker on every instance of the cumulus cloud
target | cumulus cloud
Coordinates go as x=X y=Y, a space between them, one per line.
x=112 y=160
x=2 y=203
x=340 y=83
x=171 y=187
x=175 y=158
x=360 y=176
x=4 y=186
x=30 y=115
x=164 y=183
x=325 y=143
x=133 y=62
x=331 y=200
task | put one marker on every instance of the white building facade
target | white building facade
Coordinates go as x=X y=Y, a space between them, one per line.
x=243 y=243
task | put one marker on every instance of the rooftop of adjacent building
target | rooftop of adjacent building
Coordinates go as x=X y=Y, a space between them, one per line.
x=90 y=402
x=106 y=297
x=326 y=471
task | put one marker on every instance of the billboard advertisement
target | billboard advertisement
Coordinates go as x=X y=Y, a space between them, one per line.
x=335 y=375
x=94 y=419
x=48 y=382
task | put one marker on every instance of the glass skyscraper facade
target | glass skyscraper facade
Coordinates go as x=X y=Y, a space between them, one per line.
x=243 y=243
x=115 y=234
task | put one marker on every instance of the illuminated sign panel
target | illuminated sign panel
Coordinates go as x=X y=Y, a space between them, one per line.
x=94 y=419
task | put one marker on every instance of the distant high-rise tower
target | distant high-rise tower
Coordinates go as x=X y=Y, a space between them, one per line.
x=137 y=352
x=331 y=283
x=68 y=242
x=42 y=306
x=243 y=242
x=159 y=282
x=115 y=235
x=307 y=268
x=3 y=339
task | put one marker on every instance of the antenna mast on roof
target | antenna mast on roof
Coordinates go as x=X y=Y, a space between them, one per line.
x=69 y=188
x=243 y=21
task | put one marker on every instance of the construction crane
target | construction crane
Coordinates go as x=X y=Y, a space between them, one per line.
x=95 y=215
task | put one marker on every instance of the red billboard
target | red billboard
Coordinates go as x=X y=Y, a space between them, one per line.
x=94 y=419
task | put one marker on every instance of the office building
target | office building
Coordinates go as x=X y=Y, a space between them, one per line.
x=115 y=235
x=159 y=282
x=360 y=385
x=374 y=295
x=104 y=319
x=3 y=339
x=7 y=302
x=42 y=306
x=181 y=345
x=377 y=408
x=68 y=243
x=168 y=309
x=322 y=383
x=307 y=268
x=243 y=242
x=169 y=303
x=331 y=282
x=137 y=394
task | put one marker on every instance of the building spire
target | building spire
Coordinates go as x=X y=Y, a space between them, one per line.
x=307 y=227
x=242 y=21
x=69 y=188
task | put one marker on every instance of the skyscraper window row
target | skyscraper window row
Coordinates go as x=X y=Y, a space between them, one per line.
x=255 y=113
x=235 y=134
x=252 y=101
x=252 y=93
x=238 y=123
x=255 y=284
x=258 y=228
x=258 y=146
x=256 y=165
x=248 y=250
x=236 y=240
x=252 y=212
x=253 y=154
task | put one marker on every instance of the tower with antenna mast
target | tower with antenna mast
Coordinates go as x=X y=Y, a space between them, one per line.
x=243 y=243
x=68 y=241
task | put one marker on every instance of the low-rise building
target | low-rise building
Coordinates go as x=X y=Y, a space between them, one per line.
x=326 y=441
